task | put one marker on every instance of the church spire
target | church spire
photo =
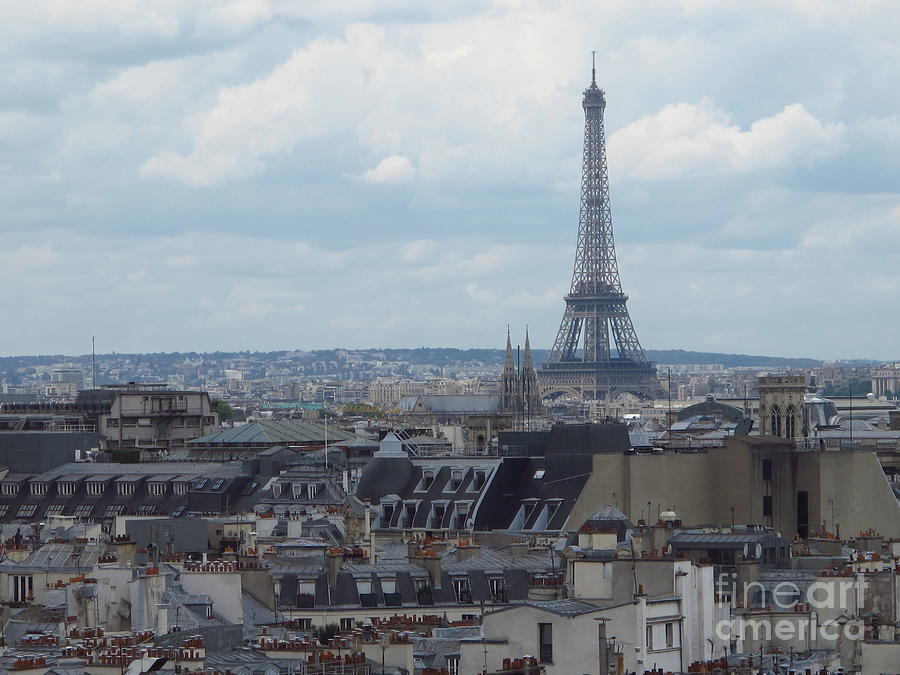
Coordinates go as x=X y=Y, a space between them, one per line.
x=527 y=361
x=509 y=379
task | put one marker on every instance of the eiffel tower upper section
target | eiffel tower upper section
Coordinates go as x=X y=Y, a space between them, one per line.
x=581 y=361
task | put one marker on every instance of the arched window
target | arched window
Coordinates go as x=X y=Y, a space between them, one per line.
x=776 y=421
x=790 y=421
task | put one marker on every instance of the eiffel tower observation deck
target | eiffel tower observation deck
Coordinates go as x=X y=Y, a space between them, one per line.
x=582 y=363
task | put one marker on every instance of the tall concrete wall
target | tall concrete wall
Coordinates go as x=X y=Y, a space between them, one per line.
x=703 y=488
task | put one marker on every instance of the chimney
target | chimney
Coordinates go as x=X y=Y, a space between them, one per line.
x=335 y=560
x=431 y=561
x=126 y=549
x=466 y=551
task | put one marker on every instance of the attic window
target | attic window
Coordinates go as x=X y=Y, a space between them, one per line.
x=455 y=480
x=539 y=474
x=427 y=479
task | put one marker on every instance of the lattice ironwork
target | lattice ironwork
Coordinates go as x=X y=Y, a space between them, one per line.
x=582 y=361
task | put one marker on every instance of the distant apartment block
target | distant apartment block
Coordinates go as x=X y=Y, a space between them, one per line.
x=149 y=417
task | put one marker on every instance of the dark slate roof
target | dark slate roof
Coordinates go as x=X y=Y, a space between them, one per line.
x=519 y=479
x=718 y=540
x=236 y=489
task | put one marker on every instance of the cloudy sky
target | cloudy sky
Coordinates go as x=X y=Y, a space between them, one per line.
x=264 y=174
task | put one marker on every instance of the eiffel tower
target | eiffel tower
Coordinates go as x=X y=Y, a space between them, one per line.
x=580 y=362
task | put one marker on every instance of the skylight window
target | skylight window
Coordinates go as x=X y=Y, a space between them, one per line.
x=539 y=474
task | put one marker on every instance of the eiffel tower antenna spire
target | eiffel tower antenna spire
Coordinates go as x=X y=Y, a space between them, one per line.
x=581 y=362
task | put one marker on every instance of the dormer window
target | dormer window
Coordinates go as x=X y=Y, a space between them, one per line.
x=96 y=488
x=479 y=480
x=462 y=514
x=39 y=489
x=10 y=489
x=125 y=488
x=409 y=513
x=387 y=513
x=456 y=477
x=427 y=478
x=180 y=487
x=437 y=514
x=66 y=488
x=528 y=508
x=156 y=488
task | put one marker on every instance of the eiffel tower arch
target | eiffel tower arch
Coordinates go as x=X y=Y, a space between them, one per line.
x=582 y=362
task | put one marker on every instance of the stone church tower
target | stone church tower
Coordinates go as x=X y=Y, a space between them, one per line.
x=519 y=392
x=531 y=397
x=509 y=380
x=781 y=400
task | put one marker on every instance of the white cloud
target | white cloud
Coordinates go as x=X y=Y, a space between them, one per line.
x=685 y=139
x=393 y=169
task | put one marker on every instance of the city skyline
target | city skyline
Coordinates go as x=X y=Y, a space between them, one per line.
x=245 y=176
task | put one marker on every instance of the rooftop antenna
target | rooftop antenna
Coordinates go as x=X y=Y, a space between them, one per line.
x=594 y=68
x=93 y=364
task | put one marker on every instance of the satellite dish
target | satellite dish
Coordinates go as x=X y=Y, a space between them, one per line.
x=758 y=550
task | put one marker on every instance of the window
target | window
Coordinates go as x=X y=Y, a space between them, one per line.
x=304 y=624
x=10 y=489
x=180 y=487
x=789 y=421
x=438 y=511
x=66 y=488
x=347 y=623
x=23 y=588
x=427 y=479
x=83 y=510
x=462 y=514
x=146 y=509
x=201 y=483
x=498 y=589
x=125 y=488
x=112 y=422
x=39 y=489
x=114 y=510
x=539 y=474
x=767 y=469
x=776 y=421
x=157 y=489
x=767 y=506
x=218 y=484
x=26 y=510
x=55 y=510
x=389 y=585
x=545 y=642
x=649 y=637
x=453 y=665
x=96 y=488
x=387 y=513
x=527 y=510
x=670 y=634
x=409 y=513
x=4 y=509
x=461 y=587
x=456 y=477
x=478 y=483
x=363 y=586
